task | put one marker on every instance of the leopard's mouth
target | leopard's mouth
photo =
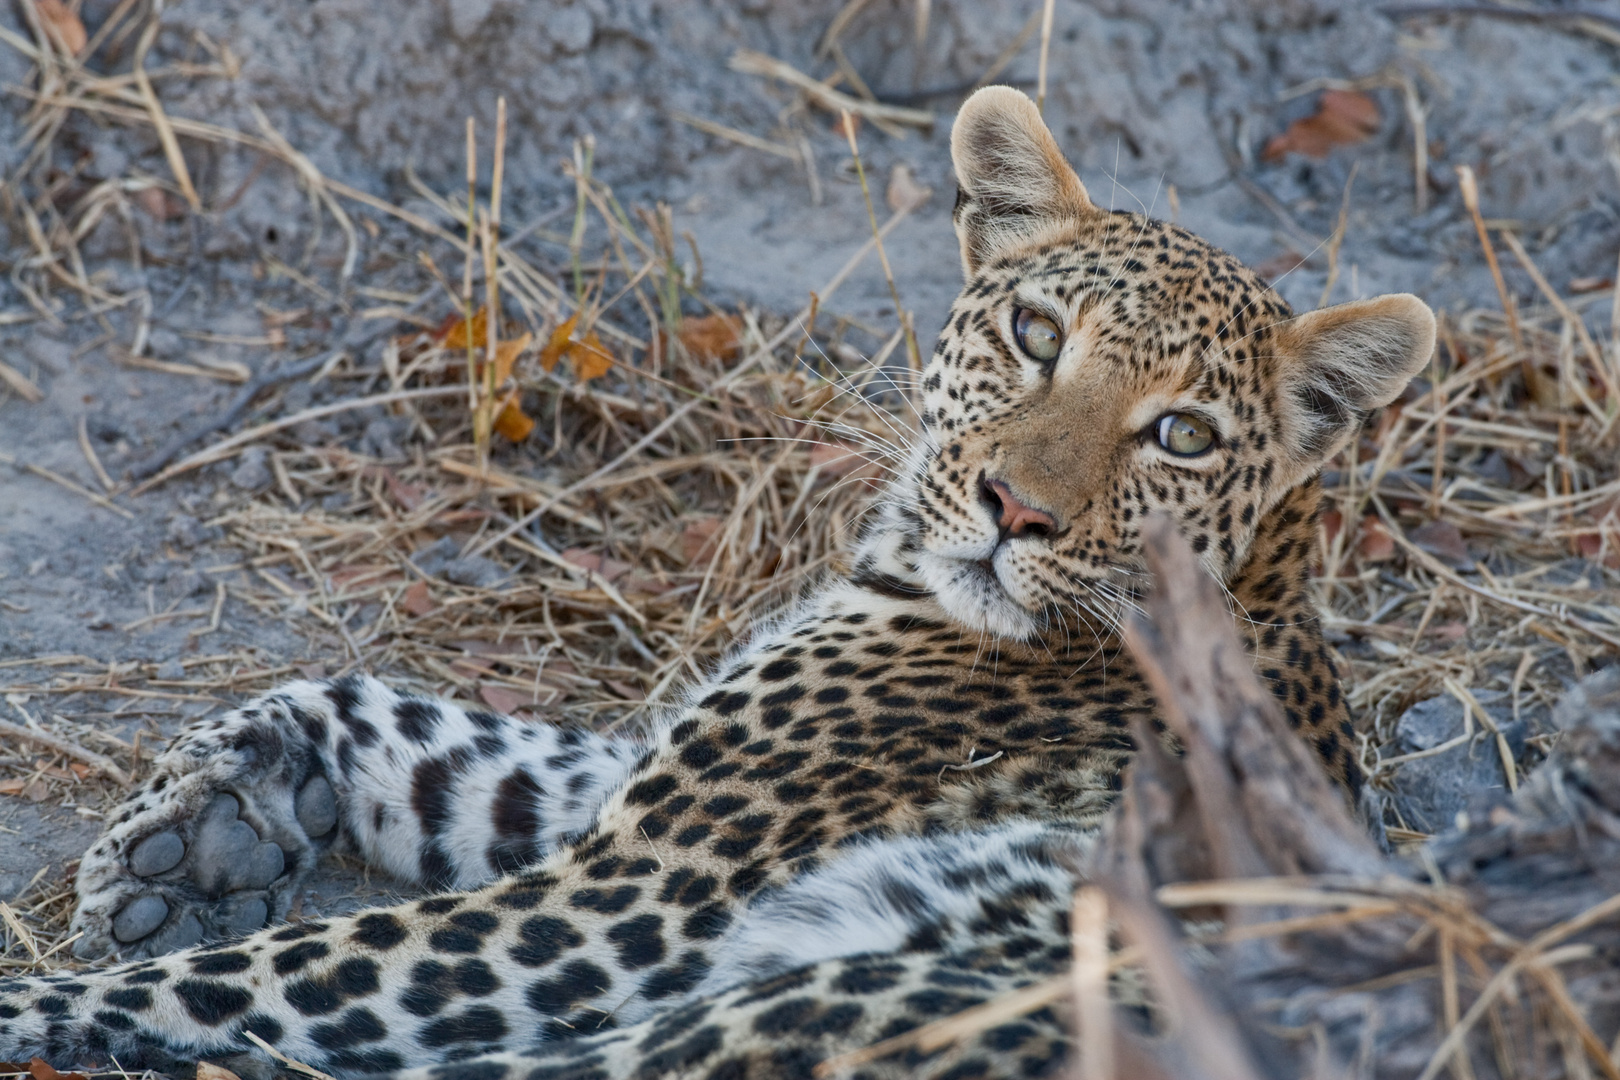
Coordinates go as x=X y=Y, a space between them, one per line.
x=972 y=592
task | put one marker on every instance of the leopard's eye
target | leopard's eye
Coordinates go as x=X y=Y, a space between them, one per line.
x=1184 y=435
x=1037 y=335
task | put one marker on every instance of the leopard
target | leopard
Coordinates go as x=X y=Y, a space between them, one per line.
x=871 y=814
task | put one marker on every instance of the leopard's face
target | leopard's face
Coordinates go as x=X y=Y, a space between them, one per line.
x=1102 y=366
x=1080 y=385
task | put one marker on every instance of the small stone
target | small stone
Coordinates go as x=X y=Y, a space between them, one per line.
x=432 y=558
x=571 y=28
x=252 y=474
x=477 y=571
x=316 y=807
x=466 y=16
x=164 y=343
x=144 y=915
x=157 y=854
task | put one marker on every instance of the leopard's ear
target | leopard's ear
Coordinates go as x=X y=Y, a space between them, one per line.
x=1012 y=181
x=1342 y=362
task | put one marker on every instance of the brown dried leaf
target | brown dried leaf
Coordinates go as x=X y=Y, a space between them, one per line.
x=1376 y=545
x=512 y=422
x=589 y=357
x=611 y=569
x=698 y=539
x=39 y=1070
x=505 y=700
x=158 y=204
x=715 y=336
x=1342 y=117
x=417 y=600
x=410 y=496
x=557 y=344
x=625 y=690
x=1443 y=540
x=506 y=354
x=66 y=28
x=457 y=337
x=1603 y=544
x=207 y=1070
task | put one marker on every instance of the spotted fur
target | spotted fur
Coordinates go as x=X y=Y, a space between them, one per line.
x=867 y=817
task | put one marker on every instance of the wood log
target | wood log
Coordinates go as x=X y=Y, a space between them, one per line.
x=1495 y=952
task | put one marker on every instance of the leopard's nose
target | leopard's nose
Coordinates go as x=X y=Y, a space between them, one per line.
x=1014 y=517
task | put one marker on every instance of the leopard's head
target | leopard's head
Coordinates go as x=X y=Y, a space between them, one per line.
x=1099 y=366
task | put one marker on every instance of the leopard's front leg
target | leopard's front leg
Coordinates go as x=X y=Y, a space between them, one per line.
x=217 y=840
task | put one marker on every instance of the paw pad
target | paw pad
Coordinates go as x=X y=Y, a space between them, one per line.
x=316 y=808
x=144 y=915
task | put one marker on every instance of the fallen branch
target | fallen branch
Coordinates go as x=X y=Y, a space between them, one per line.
x=749 y=62
x=100 y=764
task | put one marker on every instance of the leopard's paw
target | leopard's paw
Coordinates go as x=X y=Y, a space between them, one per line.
x=203 y=854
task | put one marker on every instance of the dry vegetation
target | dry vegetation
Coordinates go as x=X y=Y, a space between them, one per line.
x=688 y=468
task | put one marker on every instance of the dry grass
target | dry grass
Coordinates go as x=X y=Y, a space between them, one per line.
x=722 y=464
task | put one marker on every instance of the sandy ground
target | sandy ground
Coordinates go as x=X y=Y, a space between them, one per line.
x=1163 y=106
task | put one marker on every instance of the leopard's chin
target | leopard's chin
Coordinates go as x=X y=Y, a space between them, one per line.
x=972 y=594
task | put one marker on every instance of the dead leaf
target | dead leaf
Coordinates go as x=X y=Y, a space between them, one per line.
x=625 y=690
x=1589 y=284
x=39 y=1070
x=557 y=344
x=512 y=422
x=417 y=600
x=66 y=28
x=698 y=539
x=505 y=700
x=716 y=337
x=1342 y=117
x=611 y=569
x=1376 y=545
x=312 y=671
x=207 y=1070
x=506 y=354
x=12 y=787
x=80 y=770
x=641 y=583
x=1448 y=631
x=158 y=203
x=588 y=356
x=1591 y=545
x=469 y=668
x=456 y=337
x=1444 y=541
